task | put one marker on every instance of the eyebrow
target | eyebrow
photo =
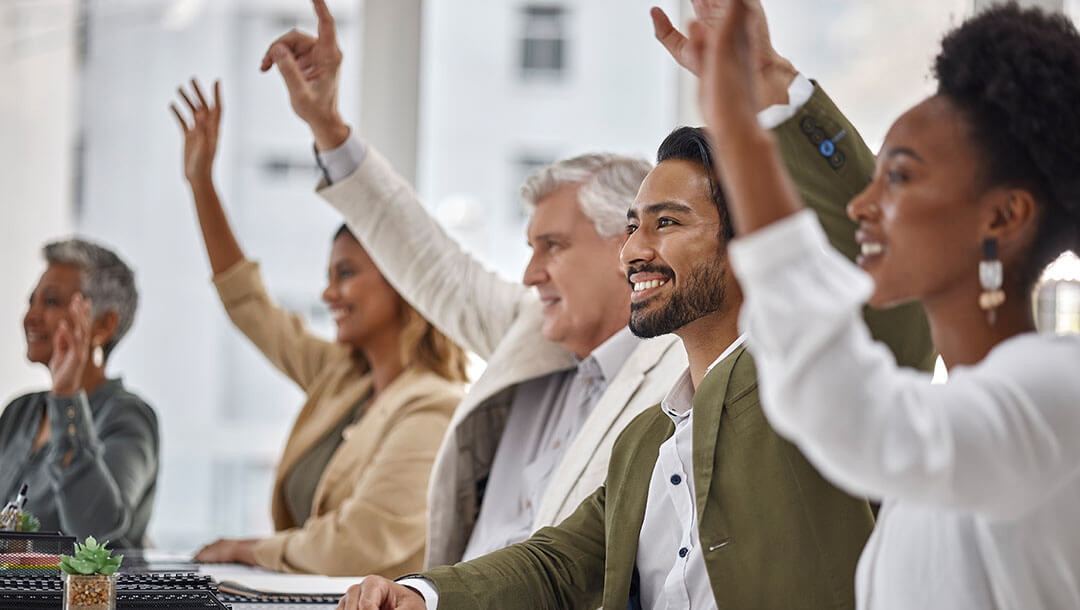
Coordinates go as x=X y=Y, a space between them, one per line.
x=663 y=206
x=895 y=152
x=545 y=237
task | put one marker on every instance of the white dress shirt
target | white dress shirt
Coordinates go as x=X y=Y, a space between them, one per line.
x=670 y=560
x=980 y=476
x=545 y=416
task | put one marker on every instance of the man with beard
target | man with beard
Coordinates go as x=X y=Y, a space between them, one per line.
x=704 y=505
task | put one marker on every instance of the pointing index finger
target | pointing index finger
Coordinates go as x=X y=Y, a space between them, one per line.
x=326 y=21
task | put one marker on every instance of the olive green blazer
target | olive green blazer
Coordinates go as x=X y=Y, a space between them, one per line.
x=774 y=533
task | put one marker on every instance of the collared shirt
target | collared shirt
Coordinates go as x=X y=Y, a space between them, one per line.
x=546 y=415
x=670 y=561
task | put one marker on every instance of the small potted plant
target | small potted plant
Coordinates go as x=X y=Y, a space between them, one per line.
x=90 y=577
x=28 y=523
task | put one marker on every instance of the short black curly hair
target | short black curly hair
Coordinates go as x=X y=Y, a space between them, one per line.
x=1015 y=75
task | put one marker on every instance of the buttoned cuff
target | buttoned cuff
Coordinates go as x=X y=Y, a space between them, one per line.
x=424 y=587
x=71 y=426
x=338 y=163
x=799 y=92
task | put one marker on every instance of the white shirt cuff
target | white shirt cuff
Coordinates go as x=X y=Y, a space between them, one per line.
x=424 y=587
x=799 y=92
x=338 y=163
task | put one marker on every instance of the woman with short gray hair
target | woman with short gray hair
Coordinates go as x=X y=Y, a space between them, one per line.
x=87 y=449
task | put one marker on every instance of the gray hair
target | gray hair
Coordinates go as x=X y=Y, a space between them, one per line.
x=608 y=184
x=104 y=279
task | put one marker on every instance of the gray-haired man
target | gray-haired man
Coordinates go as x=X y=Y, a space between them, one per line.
x=565 y=375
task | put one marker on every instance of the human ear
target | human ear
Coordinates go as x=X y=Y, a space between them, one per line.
x=1012 y=219
x=103 y=328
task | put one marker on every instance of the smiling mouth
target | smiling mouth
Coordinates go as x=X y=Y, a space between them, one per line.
x=36 y=337
x=643 y=286
x=339 y=313
x=871 y=248
x=549 y=301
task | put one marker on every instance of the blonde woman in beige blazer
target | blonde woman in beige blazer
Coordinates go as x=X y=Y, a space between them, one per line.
x=348 y=494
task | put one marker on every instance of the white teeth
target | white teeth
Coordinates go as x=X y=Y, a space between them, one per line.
x=338 y=314
x=639 y=286
x=872 y=249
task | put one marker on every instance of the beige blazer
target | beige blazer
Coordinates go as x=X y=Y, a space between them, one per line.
x=500 y=321
x=368 y=515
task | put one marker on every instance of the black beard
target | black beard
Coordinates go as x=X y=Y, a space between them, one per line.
x=702 y=293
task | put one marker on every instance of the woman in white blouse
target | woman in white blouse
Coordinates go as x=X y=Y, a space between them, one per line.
x=977 y=188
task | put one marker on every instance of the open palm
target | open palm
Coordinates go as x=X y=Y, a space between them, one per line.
x=201 y=135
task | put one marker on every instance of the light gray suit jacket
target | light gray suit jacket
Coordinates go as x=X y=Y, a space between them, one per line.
x=499 y=321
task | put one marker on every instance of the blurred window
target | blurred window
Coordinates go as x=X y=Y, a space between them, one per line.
x=543 y=41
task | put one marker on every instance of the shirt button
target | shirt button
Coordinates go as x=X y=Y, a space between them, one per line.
x=71 y=413
x=71 y=429
x=676 y=479
x=683 y=551
x=556 y=444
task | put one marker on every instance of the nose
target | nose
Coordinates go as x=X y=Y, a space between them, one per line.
x=636 y=249
x=33 y=314
x=330 y=292
x=865 y=205
x=535 y=273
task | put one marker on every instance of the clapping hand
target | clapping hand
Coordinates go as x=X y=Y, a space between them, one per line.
x=311 y=67
x=201 y=136
x=71 y=348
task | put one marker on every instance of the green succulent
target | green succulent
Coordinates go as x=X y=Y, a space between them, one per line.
x=90 y=558
x=28 y=522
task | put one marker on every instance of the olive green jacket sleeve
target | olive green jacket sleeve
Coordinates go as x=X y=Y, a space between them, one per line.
x=827 y=182
x=559 y=568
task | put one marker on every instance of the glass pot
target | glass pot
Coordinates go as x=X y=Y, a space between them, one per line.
x=89 y=592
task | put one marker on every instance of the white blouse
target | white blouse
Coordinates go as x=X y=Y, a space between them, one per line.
x=980 y=476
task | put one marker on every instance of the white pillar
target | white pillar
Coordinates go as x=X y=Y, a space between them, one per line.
x=390 y=89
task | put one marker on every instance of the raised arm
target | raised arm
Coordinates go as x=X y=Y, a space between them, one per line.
x=994 y=439
x=281 y=336
x=471 y=304
x=200 y=149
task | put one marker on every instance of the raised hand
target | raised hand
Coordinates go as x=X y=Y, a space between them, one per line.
x=201 y=136
x=728 y=88
x=756 y=184
x=378 y=593
x=310 y=68
x=71 y=348
x=772 y=72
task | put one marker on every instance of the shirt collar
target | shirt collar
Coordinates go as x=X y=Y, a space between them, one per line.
x=612 y=354
x=680 y=399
